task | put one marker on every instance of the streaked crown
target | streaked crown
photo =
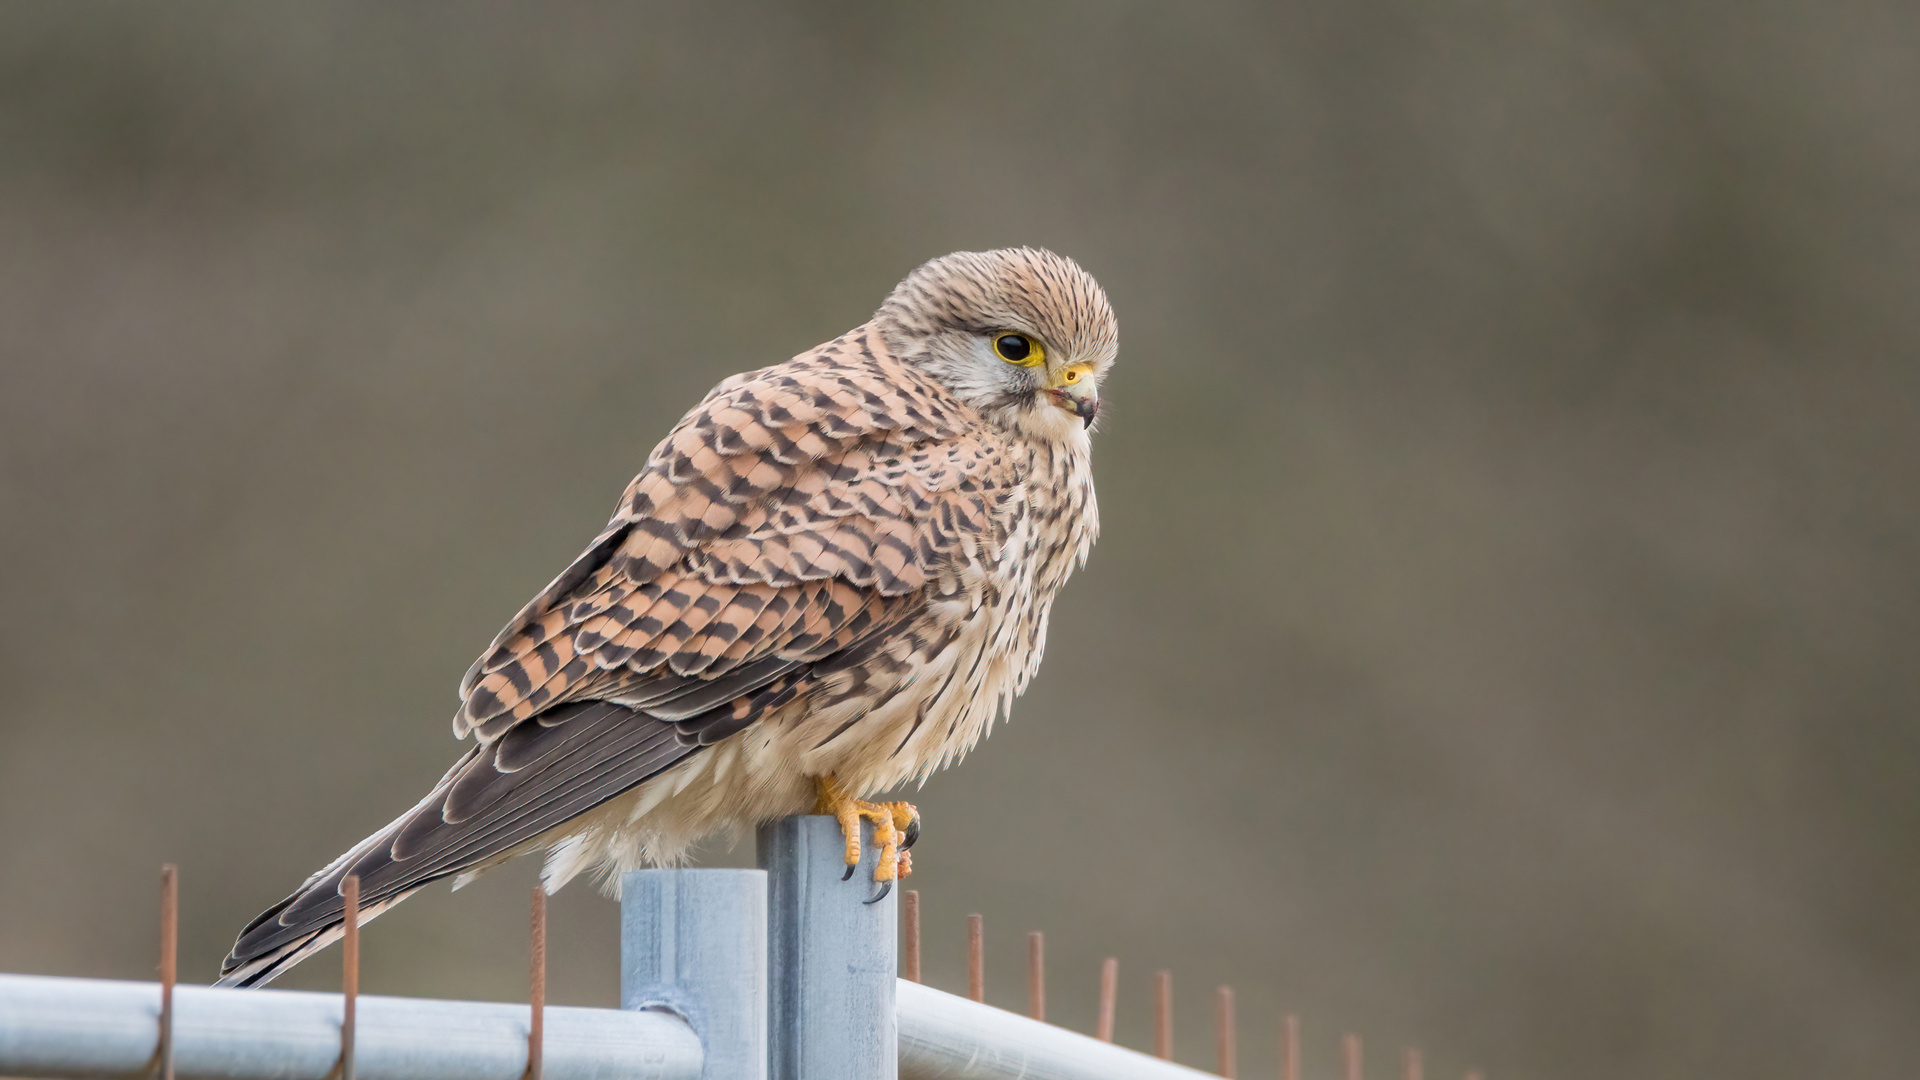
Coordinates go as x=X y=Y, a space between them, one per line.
x=986 y=292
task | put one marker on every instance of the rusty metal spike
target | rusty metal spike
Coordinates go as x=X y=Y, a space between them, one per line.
x=537 y=987
x=1036 y=976
x=976 y=959
x=1109 y=992
x=910 y=927
x=1163 y=1015
x=169 y=961
x=1290 y=1048
x=349 y=971
x=1223 y=1036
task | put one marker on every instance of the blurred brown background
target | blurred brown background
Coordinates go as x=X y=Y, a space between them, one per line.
x=1503 y=638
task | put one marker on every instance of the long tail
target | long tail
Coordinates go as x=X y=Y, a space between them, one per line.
x=497 y=801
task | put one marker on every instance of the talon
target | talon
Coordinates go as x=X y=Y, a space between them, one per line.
x=885 y=888
x=896 y=825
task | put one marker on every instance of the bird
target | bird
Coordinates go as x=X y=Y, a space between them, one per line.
x=827 y=580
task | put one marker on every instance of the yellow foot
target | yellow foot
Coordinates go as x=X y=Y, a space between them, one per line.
x=896 y=825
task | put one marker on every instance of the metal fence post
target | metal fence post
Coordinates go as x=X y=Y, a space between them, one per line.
x=831 y=1008
x=695 y=942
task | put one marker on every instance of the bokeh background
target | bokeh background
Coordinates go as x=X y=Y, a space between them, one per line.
x=1503 y=637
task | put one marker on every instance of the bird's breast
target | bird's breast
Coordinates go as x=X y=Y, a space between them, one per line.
x=934 y=691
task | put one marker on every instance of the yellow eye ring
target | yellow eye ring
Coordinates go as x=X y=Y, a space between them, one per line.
x=1019 y=349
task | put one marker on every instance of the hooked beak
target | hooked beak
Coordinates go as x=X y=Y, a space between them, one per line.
x=1076 y=393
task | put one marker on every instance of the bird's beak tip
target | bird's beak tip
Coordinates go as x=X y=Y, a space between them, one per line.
x=1085 y=407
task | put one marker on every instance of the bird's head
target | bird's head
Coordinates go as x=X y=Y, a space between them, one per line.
x=1021 y=334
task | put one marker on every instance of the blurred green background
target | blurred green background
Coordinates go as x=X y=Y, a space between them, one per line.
x=1503 y=638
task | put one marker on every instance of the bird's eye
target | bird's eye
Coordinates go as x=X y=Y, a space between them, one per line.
x=1019 y=349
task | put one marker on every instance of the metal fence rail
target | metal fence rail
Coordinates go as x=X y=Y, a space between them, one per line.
x=780 y=973
x=52 y=1027
x=943 y=1036
x=55 y=1027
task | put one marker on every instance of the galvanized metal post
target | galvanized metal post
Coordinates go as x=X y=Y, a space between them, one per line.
x=694 y=942
x=831 y=1009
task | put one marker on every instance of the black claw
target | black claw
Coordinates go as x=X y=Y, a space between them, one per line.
x=911 y=834
x=885 y=888
x=848 y=876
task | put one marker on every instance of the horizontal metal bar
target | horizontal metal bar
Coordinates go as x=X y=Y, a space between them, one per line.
x=52 y=1027
x=944 y=1036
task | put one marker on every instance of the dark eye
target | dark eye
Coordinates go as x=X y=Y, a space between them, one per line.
x=1014 y=348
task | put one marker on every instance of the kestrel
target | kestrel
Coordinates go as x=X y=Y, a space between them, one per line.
x=828 y=579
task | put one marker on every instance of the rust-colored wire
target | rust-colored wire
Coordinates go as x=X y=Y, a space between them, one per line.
x=1036 y=976
x=1163 y=1015
x=1350 y=1056
x=1109 y=991
x=169 y=960
x=1290 y=1048
x=1223 y=1036
x=976 y=959
x=910 y=929
x=537 y=987
x=349 y=971
x=1412 y=1067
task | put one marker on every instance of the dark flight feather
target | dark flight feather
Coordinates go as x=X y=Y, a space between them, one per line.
x=477 y=813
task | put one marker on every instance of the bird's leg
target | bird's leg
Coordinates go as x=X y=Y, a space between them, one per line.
x=896 y=825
